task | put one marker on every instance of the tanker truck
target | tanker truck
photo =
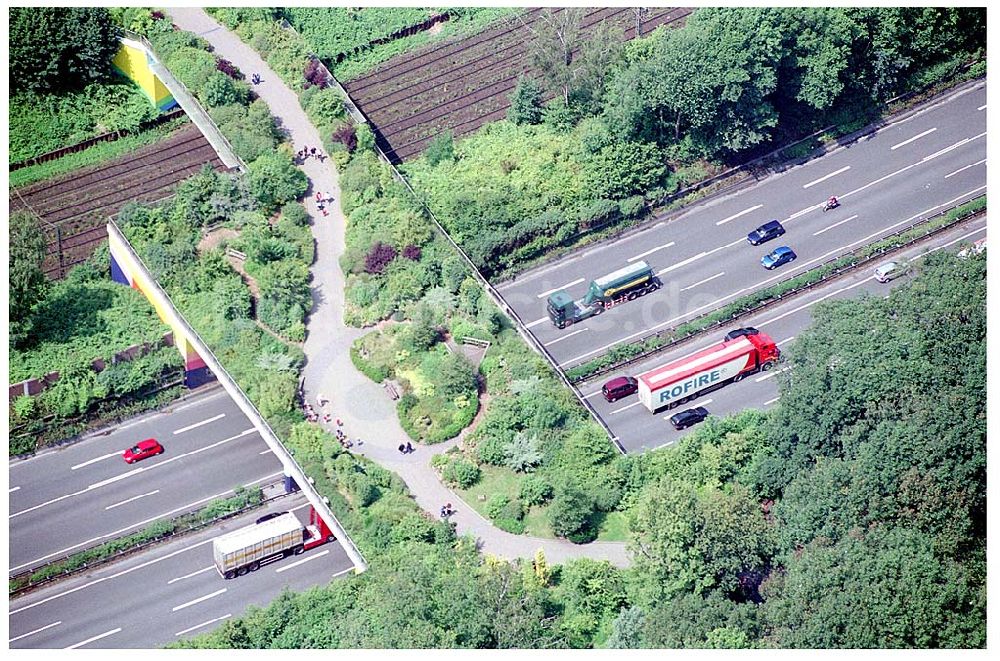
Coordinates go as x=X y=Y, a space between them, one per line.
x=687 y=378
x=625 y=284
x=246 y=549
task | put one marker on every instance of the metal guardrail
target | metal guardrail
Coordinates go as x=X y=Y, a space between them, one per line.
x=191 y=527
x=780 y=298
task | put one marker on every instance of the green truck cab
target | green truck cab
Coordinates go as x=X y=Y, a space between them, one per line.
x=625 y=284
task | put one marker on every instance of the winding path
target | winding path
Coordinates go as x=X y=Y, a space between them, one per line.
x=368 y=413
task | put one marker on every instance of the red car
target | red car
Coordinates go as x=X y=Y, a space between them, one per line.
x=141 y=450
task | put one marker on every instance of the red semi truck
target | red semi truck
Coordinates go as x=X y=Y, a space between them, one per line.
x=686 y=378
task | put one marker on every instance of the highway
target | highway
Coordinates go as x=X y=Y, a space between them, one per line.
x=170 y=592
x=909 y=169
x=639 y=430
x=71 y=498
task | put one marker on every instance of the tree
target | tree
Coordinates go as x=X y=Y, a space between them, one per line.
x=456 y=376
x=525 y=102
x=27 y=252
x=570 y=511
x=59 y=48
x=274 y=180
x=572 y=64
x=440 y=149
x=522 y=453
x=624 y=168
x=884 y=589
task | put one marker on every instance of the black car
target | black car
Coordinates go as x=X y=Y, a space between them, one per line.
x=766 y=232
x=688 y=417
x=740 y=332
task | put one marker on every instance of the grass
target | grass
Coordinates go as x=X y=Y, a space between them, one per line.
x=614 y=528
x=99 y=153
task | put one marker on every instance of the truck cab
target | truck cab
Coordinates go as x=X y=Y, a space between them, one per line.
x=563 y=310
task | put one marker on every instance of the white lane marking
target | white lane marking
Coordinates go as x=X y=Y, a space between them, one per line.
x=32 y=633
x=954 y=146
x=296 y=564
x=720 y=273
x=834 y=225
x=965 y=168
x=649 y=252
x=536 y=322
x=95 y=460
x=342 y=572
x=981 y=107
x=200 y=401
x=97 y=637
x=685 y=262
x=827 y=176
x=567 y=336
x=913 y=139
x=625 y=408
x=124 y=502
x=771 y=401
x=194 y=573
x=199 y=600
x=108 y=578
x=888 y=176
x=737 y=215
x=663 y=445
x=199 y=424
x=566 y=286
x=266 y=451
x=203 y=624
x=596 y=392
x=182 y=508
x=811 y=303
x=787 y=339
x=772 y=374
x=13 y=489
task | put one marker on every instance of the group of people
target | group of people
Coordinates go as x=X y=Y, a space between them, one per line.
x=313 y=416
x=255 y=79
x=322 y=200
x=304 y=153
x=405 y=448
x=446 y=510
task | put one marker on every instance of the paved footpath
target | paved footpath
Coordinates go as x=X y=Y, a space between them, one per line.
x=367 y=412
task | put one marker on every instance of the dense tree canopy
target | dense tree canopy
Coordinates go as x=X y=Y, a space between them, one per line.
x=59 y=48
x=27 y=252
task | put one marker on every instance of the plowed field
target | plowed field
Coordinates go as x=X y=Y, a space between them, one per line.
x=80 y=203
x=463 y=84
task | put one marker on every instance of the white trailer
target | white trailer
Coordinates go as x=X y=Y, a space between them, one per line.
x=245 y=549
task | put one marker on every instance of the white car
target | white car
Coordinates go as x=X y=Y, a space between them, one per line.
x=891 y=271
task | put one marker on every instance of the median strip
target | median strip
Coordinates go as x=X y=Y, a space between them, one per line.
x=624 y=354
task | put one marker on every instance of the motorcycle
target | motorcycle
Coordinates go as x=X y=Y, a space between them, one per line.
x=832 y=203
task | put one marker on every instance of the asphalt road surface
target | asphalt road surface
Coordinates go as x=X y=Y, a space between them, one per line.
x=910 y=169
x=639 y=430
x=75 y=497
x=170 y=592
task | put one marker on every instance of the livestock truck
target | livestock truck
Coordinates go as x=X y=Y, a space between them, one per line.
x=625 y=284
x=248 y=548
x=686 y=378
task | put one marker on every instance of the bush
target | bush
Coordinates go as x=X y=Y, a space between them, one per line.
x=440 y=149
x=456 y=376
x=632 y=207
x=522 y=454
x=379 y=257
x=461 y=473
x=222 y=90
x=535 y=491
x=525 y=102
x=346 y=135
x=507 y=514
x=570 y=511
x=274 y=180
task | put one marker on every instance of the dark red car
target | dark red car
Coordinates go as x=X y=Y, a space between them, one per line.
x=618 y=387
x=141 y=450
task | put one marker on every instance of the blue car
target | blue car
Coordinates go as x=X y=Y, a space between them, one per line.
x=777 y=257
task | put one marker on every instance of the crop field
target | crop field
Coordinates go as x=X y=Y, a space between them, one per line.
x=461 y=85
x=79 y=203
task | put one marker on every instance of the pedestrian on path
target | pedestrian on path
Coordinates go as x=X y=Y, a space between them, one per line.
x=409 y=448
x=402 y=449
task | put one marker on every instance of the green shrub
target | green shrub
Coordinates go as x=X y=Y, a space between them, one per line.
x=632 y=207
x=507 y=514
x=535 y=490
x=439 y=150
x=570 y=512
x=221 y=90
x=461 y=473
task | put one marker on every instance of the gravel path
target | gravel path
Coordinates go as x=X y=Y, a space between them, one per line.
x=366 y=410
